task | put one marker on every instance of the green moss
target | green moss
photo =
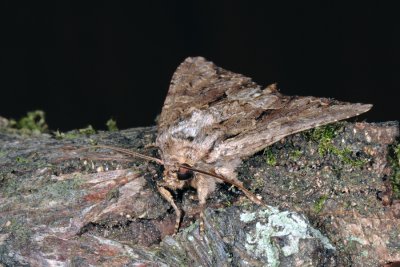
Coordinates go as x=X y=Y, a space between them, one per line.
x=22 y=160
x=33 y=123
x=346 y=156
x=112 y=125
x=295 y=154
x=75 y=133
x=394 y=159
x=319 y=204
x=88 y=130
x=324 y=136
x=270 y=157
x=67 y=135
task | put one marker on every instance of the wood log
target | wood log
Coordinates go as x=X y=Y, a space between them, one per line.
x=332 y=201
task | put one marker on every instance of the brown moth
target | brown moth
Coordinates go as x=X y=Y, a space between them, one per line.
x=213 y=118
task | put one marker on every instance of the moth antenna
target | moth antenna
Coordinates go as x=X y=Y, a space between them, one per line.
x=105 y=159
x=239 y=185
x=130 y=153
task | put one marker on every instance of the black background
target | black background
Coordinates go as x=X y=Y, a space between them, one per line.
x=85 y=62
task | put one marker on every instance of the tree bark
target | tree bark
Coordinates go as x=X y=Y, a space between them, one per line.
x=331 y=202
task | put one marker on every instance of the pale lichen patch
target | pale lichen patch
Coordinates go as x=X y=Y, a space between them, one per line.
x=248 y=217
x=292 y=227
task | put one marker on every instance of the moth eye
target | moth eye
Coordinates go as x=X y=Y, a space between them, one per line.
x=184 y=174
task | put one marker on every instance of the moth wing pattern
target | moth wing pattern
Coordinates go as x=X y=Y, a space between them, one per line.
x=296 y=114
x=213 y=118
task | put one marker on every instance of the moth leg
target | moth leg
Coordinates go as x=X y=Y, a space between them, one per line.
x=202 y=215
x=250 y=195
x=168 y=197
x=204 y=187
x=233 y=180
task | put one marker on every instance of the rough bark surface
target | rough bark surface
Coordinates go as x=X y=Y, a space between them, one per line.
x=330 y=196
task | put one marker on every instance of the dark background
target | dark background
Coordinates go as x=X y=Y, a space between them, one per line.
x=83 y=62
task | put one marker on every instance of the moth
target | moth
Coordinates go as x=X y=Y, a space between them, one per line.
x=213 y=118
